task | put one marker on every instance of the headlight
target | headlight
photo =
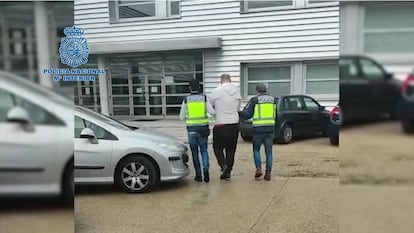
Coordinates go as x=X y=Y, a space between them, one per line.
x=170 y=146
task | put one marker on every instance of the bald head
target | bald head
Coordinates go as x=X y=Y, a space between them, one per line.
x=225 y=78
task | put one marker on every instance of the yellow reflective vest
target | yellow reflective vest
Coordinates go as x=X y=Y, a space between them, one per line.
x=264 y=111
x=196 y=110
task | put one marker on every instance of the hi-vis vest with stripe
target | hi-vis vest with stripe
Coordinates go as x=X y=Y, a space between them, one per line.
x=264 y=111
x=196 y=110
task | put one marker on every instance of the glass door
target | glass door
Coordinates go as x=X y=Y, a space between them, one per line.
x=148 y=88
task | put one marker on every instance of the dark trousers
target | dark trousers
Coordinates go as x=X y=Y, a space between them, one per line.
x=225 y=143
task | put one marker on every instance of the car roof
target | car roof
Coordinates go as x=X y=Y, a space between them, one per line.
x=37 y=89
x=295 y=95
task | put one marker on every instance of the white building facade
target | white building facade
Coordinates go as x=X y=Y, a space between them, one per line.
x=381 y=30
x=151 y=49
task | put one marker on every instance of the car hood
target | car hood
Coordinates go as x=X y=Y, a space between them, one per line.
x=151 y=135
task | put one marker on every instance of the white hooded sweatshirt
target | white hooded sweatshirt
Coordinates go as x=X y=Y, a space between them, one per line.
x=226 y=101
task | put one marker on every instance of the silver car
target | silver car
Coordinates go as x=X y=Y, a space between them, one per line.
x=36 y=139
x=108 y=151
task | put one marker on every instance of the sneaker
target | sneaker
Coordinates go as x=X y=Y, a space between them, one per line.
x=206 y=177
x=267 y=176
x=198 y=179
x=258 y=173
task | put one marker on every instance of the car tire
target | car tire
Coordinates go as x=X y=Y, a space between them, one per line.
x=407 y=126
x=68 y=184
x=246 y=138
x=286 y=134
x=136 y=174
x=334 y=140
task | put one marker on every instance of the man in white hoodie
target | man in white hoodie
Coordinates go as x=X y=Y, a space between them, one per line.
x=226 y=100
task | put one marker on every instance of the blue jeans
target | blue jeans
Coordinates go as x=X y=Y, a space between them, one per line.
x=267 y=140
x=198 y=143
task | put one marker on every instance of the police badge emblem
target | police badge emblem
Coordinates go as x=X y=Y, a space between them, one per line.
x=73 y=48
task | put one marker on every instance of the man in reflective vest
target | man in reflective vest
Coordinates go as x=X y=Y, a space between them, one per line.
x=194 y=111
x=262 y=108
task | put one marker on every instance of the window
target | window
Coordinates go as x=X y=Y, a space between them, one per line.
x=100 y=132
x=79 y=126
x=319 y=79
x=310 y=104
x=254 y=5
x=319 y=2
x=6 y=103
x=38 y=115
x=121 y=10
x=371 y=70
x=293 y=103
x=391 y=34
x=347 y=68
x=322 y=79
x=262 y=5
x=276 y=78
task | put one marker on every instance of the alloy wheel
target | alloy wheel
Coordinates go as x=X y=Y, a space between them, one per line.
x=288 y=134
x=135 y=176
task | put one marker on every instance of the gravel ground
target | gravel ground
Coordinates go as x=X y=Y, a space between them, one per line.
x=302 y=198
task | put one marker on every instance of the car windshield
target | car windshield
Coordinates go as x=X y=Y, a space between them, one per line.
x=105 y=119
x=37 y=89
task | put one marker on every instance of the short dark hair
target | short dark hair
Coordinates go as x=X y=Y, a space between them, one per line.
x=194 y=85
x=261 y=88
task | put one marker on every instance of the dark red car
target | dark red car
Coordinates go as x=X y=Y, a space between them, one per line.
x=407 y=105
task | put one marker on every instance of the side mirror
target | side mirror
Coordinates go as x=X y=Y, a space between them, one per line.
x=89 y=134
x=20 y=115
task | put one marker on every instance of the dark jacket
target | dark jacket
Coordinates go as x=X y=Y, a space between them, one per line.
x=248 y=113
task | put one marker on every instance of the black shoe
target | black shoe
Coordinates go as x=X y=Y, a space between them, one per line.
x=206 y=177
x=198 y=179
x=223 y=173
x=226 y=174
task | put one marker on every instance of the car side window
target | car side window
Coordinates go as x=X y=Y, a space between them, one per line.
x=293 y=103
x=311 y=105
x=348 y=68
x=79 y=126
x=371 y=70
x=100 y=132
x=37 y=114
x=6 y=103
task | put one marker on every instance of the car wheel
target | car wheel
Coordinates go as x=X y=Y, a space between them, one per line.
x=136 y=175
x=286 y=134
x=408 y=126
x=334 y=140
x=68 y=185
x=246 y=138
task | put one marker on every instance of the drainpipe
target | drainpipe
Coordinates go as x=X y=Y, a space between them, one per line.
x=42 y=43
x=103 y=87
